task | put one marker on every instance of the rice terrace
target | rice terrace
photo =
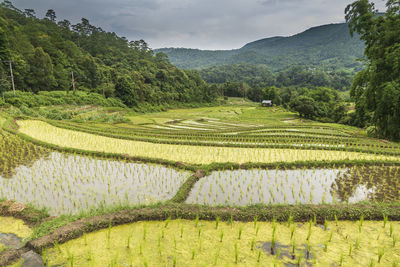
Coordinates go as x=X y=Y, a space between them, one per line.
x=112 y=154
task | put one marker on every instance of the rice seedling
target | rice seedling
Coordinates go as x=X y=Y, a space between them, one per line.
x=360 y=223
x=240 y=232
x=167 y=221
x=371 y=263
x=90 y=256
x=293 y=248
x=290 y=220
x=273 y=241
x=299 y=259
x=57 y=246
x=236 y=253
x=257 y=230
x=253 y=242
x=341 y=259
x=381 y=252
x=326 y=246
x=309 y=230
x=391 y=229
x=71 y=260
x=292 y=232
x=357 y=243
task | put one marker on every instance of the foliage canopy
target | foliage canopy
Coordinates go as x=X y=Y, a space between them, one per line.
x=376 y=89
x=45 y=52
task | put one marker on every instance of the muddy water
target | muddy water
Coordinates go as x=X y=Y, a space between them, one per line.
x=70 y=184
x=307 y=186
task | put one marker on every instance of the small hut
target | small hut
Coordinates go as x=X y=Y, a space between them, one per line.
x=266 y=103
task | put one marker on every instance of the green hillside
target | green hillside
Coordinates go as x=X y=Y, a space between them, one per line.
x=327 y=47
x=46 y=51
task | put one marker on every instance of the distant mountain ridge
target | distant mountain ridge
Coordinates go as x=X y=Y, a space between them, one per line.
x=327 y=47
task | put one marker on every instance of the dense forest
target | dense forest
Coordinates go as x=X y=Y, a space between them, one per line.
x=46 y=52
x=261 y=75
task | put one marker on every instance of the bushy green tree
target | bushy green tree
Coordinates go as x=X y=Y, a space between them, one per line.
x=41 y=71
x=126 y=90
x=377 y=88
x=305 y=106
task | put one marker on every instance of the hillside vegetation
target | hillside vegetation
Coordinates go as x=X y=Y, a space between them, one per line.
x=328 y=47
x=45 y=52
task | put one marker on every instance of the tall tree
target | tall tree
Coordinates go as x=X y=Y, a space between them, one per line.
x=29 y=13
x=377 y=88
x=51 y=15
x=41 y=71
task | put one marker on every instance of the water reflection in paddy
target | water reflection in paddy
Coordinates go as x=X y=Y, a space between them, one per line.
x=307 y=186
x=69 y=184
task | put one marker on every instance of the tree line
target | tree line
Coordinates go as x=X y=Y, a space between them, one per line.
x=261 y=75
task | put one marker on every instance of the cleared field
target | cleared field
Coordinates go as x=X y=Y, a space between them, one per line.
x=201 y=243
x=190 y=154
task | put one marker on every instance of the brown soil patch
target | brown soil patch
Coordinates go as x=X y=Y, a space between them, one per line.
x=10 y=255
x=20 y=211
x=200 y=174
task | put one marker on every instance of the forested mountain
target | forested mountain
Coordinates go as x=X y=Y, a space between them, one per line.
x=328 y=47
x=45 y=52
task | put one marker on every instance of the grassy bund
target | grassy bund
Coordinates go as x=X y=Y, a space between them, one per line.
x=230 y=185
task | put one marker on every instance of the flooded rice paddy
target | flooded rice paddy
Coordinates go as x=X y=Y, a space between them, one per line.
x=69 y=183
x=305 y=186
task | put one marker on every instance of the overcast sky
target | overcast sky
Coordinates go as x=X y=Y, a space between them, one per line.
x=204 y=24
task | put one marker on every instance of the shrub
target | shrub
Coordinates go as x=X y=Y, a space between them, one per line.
x=372 y=131
x=28 y=111
x=49 y=98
